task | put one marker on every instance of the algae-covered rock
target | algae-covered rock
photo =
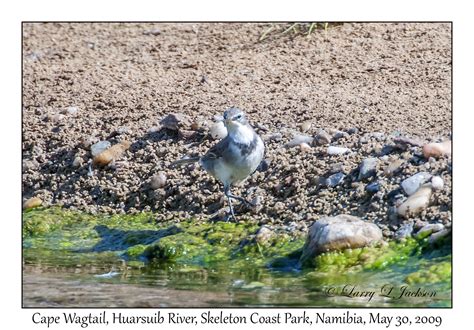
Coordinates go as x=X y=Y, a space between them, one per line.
x=436 y=273
x=339 y=233
x=367 y=258
x=32 y=203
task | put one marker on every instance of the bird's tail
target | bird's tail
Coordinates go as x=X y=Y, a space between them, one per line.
x=183 y=161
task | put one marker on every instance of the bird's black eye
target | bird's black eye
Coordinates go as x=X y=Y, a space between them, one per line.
x=238 y=116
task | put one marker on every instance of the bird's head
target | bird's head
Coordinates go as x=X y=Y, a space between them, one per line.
x=234 y=118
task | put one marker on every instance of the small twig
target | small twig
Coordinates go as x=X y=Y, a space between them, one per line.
x=311 y=28
x=264 y=34
x=290 y=28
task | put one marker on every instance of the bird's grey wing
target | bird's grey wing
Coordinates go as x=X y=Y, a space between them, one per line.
x=217 y=151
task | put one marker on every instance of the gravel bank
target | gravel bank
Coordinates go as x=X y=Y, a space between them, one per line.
x=356 y=86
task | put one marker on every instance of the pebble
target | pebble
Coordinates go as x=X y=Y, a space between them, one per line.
x=30 y=165
x=437 y=183
x=158 y=180
x=153 y=129
x=77 y=162
x=335 y=179
x=336 y=167
x=175 y=121
x=322 y=138
x=32 y=202
x=272 y=137
x=111 y=154
x=298 y=139
x=264 y=165
x=373 y=187
x=404 y=231
x=436 y=237
x=72 y=111
x=153 y=32
x=218 y=131
x=437 y=150
x=367 y=168
x=100 y=147
x=340 y=134
x=305 y=126
x=57 y=117
x=352 y=130
x=122 y=130
x=339 y=233
x=264 y=234
x=305 y=147
x=411 y=184
x=332 y=150
x=416 y=202
x=427 y=230
x=195 y=126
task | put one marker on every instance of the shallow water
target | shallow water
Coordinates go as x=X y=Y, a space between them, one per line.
x=79 y=279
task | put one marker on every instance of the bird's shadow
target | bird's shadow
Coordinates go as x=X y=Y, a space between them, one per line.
x=113 y=239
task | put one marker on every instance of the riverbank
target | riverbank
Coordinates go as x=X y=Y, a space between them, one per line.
x=359 y=87
x=234 y=261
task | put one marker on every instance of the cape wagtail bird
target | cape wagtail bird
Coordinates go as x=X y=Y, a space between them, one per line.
x=235 y=157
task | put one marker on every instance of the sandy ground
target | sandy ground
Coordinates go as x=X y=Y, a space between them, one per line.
x=364 y=84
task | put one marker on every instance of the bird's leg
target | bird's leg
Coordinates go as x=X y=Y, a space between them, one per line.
x=231 y=209
x=241 y=199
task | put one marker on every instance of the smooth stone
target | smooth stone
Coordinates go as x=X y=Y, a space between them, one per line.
x=373 y=187
x=339 y=233
x=263 y=166
x=437 y=183
x=153 y=129
x=305 y=147
x=298 y=139
x=273 y=137
x=339 y=134
x=306 y=125
x=153 y=32
x=57 y=117
x=99 y=147
x=264 y=234
x=367 y=168
x=335 y=179
x=434 y=238
x=175 y=121
x=337 y=167
x=158 y=180
x=332 y=150
x=416 y=202
x=32 y=202
x=72 y=110
x=122 y=130
x=427 y=230
x=404 y=231
x=352 y=130
x=437 y=150
x=394 y=167
x=322 y=138
x=30 y=165
x=218 y=131
x=411 y=184
x=77 y=162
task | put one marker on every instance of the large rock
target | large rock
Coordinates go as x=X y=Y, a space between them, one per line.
x=339 y=233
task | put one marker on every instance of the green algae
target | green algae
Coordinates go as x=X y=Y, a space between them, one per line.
x=440 y=272
x=212 y=255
